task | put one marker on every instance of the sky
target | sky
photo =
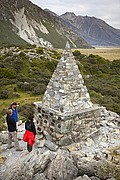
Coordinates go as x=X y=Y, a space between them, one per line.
x=107 y=10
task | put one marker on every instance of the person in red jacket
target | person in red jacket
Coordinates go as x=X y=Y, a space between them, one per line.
x=30 y=133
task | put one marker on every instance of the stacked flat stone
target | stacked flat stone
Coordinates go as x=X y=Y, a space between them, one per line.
x=66 y=111
x=66 y=92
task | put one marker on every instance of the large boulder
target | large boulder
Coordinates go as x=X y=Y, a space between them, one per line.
x=87 y=167
x=50 y=145
x=28 y=166
x=62 y=167
x=43 y=165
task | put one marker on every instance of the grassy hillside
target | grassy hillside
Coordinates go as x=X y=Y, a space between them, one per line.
x=8 y=37
x=25 y=73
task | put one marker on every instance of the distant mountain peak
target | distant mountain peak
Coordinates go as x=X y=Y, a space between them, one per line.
x=69 y=14
x=95 y=31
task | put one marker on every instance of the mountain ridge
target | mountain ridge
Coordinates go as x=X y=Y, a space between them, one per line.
x=95 y=31
x=23 y=22
x=37 y=26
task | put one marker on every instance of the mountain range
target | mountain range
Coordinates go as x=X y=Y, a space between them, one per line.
x=22 y=22
x=95 y=31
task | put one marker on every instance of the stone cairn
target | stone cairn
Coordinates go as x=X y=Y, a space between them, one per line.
x=66 y=111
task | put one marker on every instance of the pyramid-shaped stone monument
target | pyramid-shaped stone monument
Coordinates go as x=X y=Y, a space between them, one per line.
x=66 y=107
x=66 y=92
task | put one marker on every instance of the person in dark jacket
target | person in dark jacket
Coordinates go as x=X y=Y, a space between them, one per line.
x=12 y=131
x=30 y=133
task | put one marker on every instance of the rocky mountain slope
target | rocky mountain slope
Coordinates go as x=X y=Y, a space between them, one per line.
x=95 y=31
x=23 y=22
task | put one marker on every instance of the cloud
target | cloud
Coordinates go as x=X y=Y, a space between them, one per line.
x=107 y=10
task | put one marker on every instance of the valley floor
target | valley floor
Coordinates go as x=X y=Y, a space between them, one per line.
x=111 y=53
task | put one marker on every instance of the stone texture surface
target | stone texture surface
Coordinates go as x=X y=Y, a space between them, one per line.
x=39 y=177
x=70 y=127
x=66 y=107
x=85 y=157
x=66 y=91
x=85 y=177
x=89 y=168
x=48 y=165
x=62 y=167
x=50 y=145
x=28 y=166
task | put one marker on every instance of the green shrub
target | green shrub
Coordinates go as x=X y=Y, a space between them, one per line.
x=25 y=110
x=22 y=54
x=40 y=50
x=6 y=81
x=3 y=123
x=24 y=86
x=7 y=73
x=55 y=55
x=5 y=94
x=40 y=89
x=96 y=97
x=76 y=53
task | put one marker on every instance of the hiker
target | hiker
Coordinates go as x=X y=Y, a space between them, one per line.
x=30 y=133
x=14 y=112
x=12 y=131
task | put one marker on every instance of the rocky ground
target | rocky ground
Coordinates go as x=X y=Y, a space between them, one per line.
x=98 y=157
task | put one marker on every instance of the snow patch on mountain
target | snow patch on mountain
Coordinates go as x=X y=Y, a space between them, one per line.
x=25 y=29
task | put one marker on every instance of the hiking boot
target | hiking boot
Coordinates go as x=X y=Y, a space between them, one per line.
x=29 y=148
x=19 y=149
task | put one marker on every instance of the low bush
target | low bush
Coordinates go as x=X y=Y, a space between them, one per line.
x=39 y=89
x=40 y=50
x=7 y=73
x=5 y=94
x=25 y=110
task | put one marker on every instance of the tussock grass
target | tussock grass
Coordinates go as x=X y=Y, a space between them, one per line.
x=107 y=53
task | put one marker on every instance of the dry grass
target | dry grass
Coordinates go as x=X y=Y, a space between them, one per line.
x=113 y=152
x=107 y=53
x=23 y=99
x=2 y=159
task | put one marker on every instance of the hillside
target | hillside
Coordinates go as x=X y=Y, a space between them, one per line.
x=8 y=37
x=25 y=73
x=95 y=31
x=23 y=22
